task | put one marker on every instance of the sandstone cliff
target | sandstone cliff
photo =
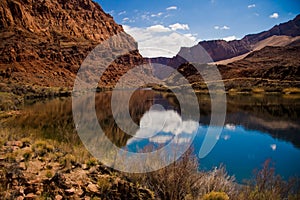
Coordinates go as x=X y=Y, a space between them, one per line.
x=45 y=42
x=221 y=49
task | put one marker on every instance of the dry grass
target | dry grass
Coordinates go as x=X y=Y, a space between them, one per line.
x=258 y=90
x=291 y=91
x=183 y=180
x=268 y=185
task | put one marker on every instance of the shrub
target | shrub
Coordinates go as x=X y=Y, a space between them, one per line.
x=91 y=162
x=10 y=157
x=104 y=184
x=291 y=90
x=216 y=196
x=183 y=180
x=268 y=185
x=49 y=174
x=27 y=155
x=26 y=142
x=67 y=161
x=258 y=90
x=41 y=148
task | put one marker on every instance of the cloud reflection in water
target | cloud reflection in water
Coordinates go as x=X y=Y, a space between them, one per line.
x=161 y=126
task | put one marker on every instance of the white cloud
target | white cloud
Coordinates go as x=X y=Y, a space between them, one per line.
x=178 y=26
x=112 y=12
x=172 y=8
x=158 y=40
x=221 y=27
x=158 y=28
x=157 y=15
x=161 y=139
x=273 y=147
x=193 y=37
x=225 y=28
x=229 y=38
x=167 y=121
x=274 y=15
x=251 y=6
x=127 y=20
x=145 y=17
x=230 y=127
x=122 y=13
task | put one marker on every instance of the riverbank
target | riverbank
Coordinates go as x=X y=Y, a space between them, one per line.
x=37 y=161
x=13 y=96
x=232 y=87
x=40 y=170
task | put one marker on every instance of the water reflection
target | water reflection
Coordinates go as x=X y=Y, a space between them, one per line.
x=242 y=150
x=256 y=128
x=160 y=127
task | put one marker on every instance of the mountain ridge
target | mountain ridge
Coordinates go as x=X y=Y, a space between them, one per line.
x=221 y=50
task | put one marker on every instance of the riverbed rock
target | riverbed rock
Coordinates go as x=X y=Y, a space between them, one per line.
x=93 y=188
x=29 y=180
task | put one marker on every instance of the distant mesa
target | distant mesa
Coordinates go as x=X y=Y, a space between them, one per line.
x=267 y=60
x=280 y=35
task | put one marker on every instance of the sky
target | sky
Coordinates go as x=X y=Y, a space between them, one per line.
x=161 y=27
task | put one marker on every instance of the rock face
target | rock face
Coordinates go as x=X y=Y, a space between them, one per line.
x=221 y=49
x=274 y=63
x=45 y=42
x=268 y=60
x=53 y=19
x=273 y=69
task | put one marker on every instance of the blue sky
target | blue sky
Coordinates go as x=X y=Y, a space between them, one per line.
x=197 y=20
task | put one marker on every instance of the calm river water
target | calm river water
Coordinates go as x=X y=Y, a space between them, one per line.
x=256 y=128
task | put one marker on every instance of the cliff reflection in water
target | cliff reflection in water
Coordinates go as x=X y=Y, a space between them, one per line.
x=256 y=127
x=273 y=115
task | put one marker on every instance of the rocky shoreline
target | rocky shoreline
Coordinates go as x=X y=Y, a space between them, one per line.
x=39 y=170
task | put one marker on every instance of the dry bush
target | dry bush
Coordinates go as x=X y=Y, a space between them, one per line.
x=182 y=180
x=268 y=185
x=218 y=180
x=216 y=196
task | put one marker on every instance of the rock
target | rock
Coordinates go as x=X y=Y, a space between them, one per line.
x=84 y=167
x=30 y=196
x=22 y=166
x=20 y=198
x=2 y=158
x=29 y=189
x=92 y=188
x=79 y=192
x=14 y=143
x=14 y=148
x=70 y=191
x=52 y=38
x=221 y=49
x=58 y=197
x=20 y=159
x=21 y=190
x=93 y=170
